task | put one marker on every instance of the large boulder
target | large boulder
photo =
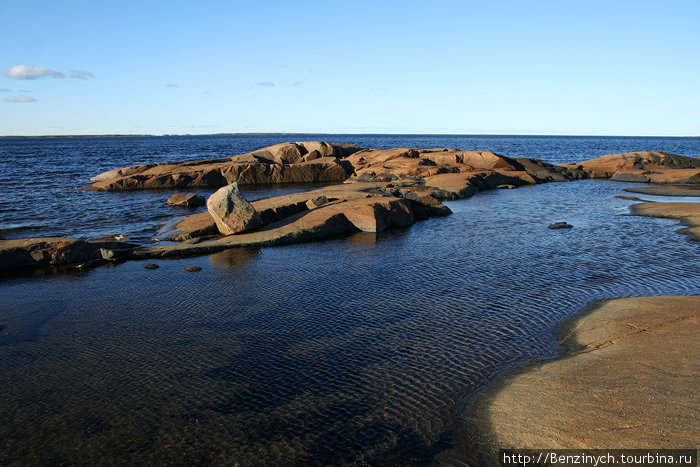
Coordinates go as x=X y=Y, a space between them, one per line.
x=231 y=212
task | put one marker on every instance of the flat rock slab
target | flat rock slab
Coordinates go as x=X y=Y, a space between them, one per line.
x=671 y=190
x=631 y=383
x=688 y=213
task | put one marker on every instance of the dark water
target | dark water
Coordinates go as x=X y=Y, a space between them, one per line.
x=357 y=349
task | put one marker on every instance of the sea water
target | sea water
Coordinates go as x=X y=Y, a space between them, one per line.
x=354 y=349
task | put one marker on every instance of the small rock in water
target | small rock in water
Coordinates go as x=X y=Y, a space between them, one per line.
x=193 y=268
x=151 y=266
x=189 y=200
x=560 y=225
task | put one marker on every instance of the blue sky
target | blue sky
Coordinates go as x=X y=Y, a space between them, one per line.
x=496 y=67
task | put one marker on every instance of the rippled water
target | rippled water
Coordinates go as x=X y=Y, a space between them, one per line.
x=355 y=349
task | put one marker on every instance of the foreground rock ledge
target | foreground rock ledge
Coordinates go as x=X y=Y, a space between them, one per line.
x=630 y=381
x=687 y=213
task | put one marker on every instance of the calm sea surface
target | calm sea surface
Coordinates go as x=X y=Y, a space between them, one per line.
x=357 y=349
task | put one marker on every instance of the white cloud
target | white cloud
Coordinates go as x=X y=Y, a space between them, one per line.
x=265 y=84
x=80 y=74
x=31 y=72
x=19 y=99
x=5 y=90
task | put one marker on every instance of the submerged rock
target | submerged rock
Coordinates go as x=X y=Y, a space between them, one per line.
x=192 y=268
x=151 y=266
x=231 y=212
x=560 y=225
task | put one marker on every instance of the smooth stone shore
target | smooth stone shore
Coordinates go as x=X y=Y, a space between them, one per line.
x=670 y=190
x=630 y=380
x=687 y=213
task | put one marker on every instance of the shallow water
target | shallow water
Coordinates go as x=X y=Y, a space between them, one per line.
x=354 y=349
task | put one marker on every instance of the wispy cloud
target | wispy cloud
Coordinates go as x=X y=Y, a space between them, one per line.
x=80 y=74
x=172 y=85
x=265 y=84
x=5 y=90
x=296 y=83
x=31 y=72
x=19 y=99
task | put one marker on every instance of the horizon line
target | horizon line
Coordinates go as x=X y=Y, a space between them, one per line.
x=148 y=135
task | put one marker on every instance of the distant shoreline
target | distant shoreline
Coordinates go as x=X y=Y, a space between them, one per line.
x=145 y=135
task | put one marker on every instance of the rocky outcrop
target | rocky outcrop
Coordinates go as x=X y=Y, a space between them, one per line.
x=382 y=165
x=304 y=162
x=645 y=167
x=49 y=251
x=59 y=251
x=188 y=200
x=347 y=211
x=420 y=201
x=231 y=212
x=383 y=188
